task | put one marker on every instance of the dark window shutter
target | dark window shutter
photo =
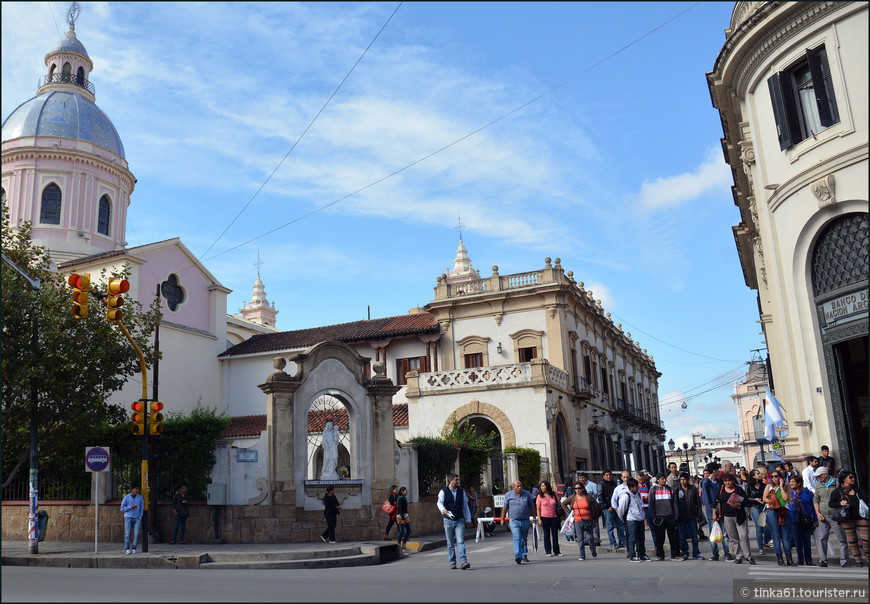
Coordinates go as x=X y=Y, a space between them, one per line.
x=823 y=87
x=784 y=110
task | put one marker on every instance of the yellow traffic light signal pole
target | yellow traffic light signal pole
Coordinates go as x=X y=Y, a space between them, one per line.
x=143 y=367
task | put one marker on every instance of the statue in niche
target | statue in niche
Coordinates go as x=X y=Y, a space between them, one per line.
x=330 y=452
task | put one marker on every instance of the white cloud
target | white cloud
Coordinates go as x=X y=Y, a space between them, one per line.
x=670 y=191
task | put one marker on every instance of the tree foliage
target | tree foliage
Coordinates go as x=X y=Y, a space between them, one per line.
x=435 y=458
x=528 y=465
x=474 y=450
x=80 y=363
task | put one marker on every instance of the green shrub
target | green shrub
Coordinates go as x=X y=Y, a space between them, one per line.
x=435 y=458
x=528 y=465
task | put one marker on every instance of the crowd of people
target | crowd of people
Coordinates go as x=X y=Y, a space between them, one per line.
x=744 y=510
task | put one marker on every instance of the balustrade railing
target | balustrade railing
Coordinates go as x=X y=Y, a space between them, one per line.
x=67 y=78
x=515 y=373
x=523 y=279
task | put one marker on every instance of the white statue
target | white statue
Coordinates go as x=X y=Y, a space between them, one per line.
x=330 y=452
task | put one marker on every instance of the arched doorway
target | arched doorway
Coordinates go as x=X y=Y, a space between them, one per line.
x=839 y=267
x=482 y=426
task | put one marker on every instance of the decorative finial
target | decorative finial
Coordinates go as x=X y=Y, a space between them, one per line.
x=258 y=263
x=72 y=14
x=459 y=226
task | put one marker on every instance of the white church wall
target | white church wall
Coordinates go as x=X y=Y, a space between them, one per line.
x=239 y=475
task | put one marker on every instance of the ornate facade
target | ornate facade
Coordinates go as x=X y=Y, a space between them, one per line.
x=790 y=85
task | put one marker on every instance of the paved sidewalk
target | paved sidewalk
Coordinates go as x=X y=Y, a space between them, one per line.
x=78 y=554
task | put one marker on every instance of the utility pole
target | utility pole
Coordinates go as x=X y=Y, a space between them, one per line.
x=32 y=525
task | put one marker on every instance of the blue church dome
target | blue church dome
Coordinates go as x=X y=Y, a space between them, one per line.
x=70 y=43
x=65 y=114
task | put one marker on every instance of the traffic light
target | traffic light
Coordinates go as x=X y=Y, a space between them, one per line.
x=115 y=301
x=138 y=418
x=81 y=284
x=155 y=421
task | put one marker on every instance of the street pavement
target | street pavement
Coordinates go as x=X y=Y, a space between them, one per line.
x=422 y=575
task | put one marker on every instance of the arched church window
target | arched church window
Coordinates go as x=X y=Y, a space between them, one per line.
x=80 y=76
x=67 y=72
x=49 y=212
x=174 y=293
x=104 y=216
x=51 y=70
x=3 y=196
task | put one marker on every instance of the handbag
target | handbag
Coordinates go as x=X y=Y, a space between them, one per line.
x=586 y=525
x=839 y=514
x=389 y=508
x=862 y=509
x=400 y=520
x=762 y=517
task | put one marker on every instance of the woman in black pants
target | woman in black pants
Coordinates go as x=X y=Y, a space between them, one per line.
x=331 y=510
x=547 y=504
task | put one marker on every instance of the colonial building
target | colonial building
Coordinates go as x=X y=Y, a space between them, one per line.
x=532 y=357
x=790 y=84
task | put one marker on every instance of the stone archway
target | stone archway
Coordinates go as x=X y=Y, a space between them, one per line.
x=491 y=412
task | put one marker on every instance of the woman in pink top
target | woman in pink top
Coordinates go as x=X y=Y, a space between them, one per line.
x=548 y=517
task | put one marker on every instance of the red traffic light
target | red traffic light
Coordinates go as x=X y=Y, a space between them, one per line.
x=82 y=281
x=118 y=286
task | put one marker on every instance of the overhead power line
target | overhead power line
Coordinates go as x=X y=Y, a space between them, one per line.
x=457 y=141
x=308 y=127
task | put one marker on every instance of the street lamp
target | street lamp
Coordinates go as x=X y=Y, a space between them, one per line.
x=671 y=444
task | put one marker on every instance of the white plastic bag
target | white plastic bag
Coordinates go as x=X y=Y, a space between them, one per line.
x=716 y=533
x=568 y=525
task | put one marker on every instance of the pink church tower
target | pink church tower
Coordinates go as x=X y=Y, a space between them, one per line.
x=63 y=164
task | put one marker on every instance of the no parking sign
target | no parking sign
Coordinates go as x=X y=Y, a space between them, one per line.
x=97 y=459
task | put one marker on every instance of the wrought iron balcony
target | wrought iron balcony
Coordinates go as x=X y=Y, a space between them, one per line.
x=67 y=78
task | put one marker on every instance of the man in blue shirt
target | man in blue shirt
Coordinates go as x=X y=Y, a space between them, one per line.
x=518 y=506
x=710 y=488
x=453 y=505
x=132 y=506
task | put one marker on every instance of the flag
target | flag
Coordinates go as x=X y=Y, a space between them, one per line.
x=774 y=416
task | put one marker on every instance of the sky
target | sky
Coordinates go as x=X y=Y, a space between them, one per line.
x=582 y=131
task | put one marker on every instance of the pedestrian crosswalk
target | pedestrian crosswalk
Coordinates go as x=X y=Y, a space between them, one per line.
x=805 y=572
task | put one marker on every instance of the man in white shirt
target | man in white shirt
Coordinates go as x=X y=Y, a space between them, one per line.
x=809 y=473
x=453 y=505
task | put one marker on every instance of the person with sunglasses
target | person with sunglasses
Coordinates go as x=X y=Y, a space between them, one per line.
x=777 y=495
x=850 y=495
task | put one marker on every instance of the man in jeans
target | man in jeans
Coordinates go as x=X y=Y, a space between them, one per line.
x=710 y=487
x=689 y=503
x=666 y=515
x=605 y=495
x=132 y=506
x=518 y=506
x=453 y=505
x=630 y=507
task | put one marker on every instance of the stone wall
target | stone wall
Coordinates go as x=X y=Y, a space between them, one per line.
x=74 y=521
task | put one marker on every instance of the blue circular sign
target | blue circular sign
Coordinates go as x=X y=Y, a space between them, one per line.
x=97 y=459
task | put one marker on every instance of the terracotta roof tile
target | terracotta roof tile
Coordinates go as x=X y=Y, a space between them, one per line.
x=357 y=331
x=253 y=425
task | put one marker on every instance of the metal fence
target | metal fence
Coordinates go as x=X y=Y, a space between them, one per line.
x=50 y=488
